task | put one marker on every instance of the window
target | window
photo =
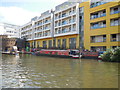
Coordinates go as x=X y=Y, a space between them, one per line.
x=113 y=47
x=59 y=43
x=101 y=24
x=72 y=43
x=115 y=22
x=98 y=14
x=69 y=12
x=59 y=31
x=69 y=28
x=115 y=10
x=56 y=31
x=100 y=38
x=64 y=43
x=38 y=44
x=95 y=4
x=59 y=16
x=50 y=43
x=92 y=39
x=64 y=14
x=104 y=38
x=63 y=30
x=114 y=37
x=44 y=44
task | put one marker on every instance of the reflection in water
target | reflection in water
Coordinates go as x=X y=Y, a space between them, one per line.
x=0 y=70
x=28 y=71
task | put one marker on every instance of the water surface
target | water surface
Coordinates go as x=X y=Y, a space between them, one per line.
x=28 y=71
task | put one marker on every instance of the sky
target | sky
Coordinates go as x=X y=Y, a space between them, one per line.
x=19 y=12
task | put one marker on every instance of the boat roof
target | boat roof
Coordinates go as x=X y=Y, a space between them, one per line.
x=53 y=50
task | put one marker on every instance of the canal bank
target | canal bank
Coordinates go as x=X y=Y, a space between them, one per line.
x=29 y=71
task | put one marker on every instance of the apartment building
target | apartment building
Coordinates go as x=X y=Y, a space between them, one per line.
x=101 y=24
x=39 y=31
x=92 y=25
x=10 y=30
x=54 y=28
x=66 y=25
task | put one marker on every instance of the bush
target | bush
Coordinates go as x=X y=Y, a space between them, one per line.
x=112 y=55
x=107 y=55
x=116 y=55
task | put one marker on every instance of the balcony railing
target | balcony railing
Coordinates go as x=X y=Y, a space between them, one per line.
x=65 y=15
x=96 y=27
x=114 y=39
x=115 y=12
x=93 y=41
x=97 y=16
x=97 y=4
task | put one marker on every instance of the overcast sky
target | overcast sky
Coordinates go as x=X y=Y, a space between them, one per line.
x=19 y=12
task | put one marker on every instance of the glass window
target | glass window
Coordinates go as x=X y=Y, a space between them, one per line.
x=59 y=43
x=72 y=43
x=50 y=43
x=64 y=43
x=44 y=44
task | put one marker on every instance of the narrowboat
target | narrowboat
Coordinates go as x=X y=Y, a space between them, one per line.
x=67 y=53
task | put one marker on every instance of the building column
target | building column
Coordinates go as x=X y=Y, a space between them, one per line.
x=67 y=43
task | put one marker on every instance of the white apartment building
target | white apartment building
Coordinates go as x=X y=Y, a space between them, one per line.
x=43 y=26
x=26 y=31
x=39 y=27
x=66 y=19
x=8 y=29
x=46 y=29
x=63 y=21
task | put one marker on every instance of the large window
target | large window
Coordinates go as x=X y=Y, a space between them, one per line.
x=38 y=44
x=50 y=43
x=100 y=38
x=115 y=10
x=115 y=37
x=115 y=22
x=72 y=43
x=59 y=43
x=98 y=14
x=44 y=44
x=95 y=3
x=64 y=43
x=96 y=25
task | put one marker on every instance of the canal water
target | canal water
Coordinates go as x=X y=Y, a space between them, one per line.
x=29 y=71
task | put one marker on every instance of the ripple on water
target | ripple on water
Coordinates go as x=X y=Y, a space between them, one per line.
x=46 y=72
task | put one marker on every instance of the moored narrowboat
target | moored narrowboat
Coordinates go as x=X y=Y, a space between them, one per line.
x=67 y=53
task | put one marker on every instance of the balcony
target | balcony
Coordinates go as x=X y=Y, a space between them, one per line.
x=93 y=41
x=73 y=29
x=115 y=12
x=47 y=28
x=115 y=22
x=65 y=15
x=114 y=40
x=47 y=21
x=96 y=27
x=64 y=22
x=96 y=4
x=98 y=16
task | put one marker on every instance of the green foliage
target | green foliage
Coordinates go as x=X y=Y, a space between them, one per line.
x=116 y=55
x=112 y=55
x=106 y=56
